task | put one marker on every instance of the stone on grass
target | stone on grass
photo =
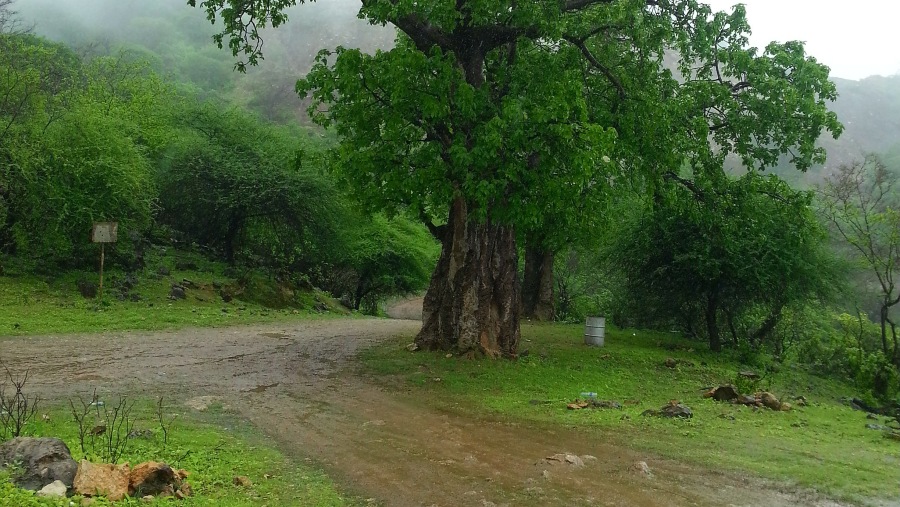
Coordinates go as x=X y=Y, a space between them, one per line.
x=769 y=400
x=642 y=468
x=242 y=481
x=55 y=488
x=152 y=478
x=676 y=409
x=43 y=461
x=106 y=480
x=722 y=393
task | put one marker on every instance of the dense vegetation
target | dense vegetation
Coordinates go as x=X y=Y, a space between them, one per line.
x=646 y=222
x=104 y=137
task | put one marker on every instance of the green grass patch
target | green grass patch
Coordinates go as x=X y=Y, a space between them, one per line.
x=214 y=448
x=31 y=304
x=824 y=446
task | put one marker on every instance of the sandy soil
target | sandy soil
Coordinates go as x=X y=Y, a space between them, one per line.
x=296 y=382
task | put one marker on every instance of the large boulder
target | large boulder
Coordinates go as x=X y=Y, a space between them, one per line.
x=111 y=481
x=42 y=461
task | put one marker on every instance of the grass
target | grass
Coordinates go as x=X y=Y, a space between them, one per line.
x=823 y=446
x=32 y=305
x=214 y=448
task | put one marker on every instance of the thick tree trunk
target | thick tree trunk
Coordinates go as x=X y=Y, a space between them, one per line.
x=538 y=299
x=472 y=304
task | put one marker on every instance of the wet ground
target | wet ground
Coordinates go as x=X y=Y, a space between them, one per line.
x=298 y=384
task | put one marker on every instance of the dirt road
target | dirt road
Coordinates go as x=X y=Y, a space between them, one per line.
x=296 y=382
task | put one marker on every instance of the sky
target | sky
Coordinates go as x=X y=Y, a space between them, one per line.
x=856 y=39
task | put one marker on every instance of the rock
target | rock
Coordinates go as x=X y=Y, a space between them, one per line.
x=242 y=481
x=107 y=480
x=877 y=427
x=722 y=393
x=412 y=347
x=567 y=458
x=226 y=296
x=670 y=362
x=785 y=407
x=152 y=478
x=642 y=468
x=604 y=404
x=801 y=401
x=769 y=400
x=187 y=284
x=87 y=289
x=749 y=375
x=893 y=435
x=177 y=292
x=163 y=271
x=675 y=409
x=55 y=488
x=745 y=399
x=43 y=461
x=147 y=498
x=872 y=417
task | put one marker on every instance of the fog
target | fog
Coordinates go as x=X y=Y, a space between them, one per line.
x=856 y=39
x=161 y=23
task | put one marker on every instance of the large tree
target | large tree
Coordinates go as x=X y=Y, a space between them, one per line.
x=487 y=112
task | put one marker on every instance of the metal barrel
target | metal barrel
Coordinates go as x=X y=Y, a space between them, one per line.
x=595 y=331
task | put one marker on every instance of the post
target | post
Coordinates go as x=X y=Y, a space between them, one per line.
x=102 y=259
x=103 y=233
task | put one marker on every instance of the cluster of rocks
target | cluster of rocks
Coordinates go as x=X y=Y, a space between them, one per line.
x=124 y=289
x=45 y=465
x=579 y=404
x=672 y=409
x=761 y=399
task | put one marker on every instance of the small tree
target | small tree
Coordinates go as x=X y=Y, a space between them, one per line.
x=862 y=205
x=709 y=256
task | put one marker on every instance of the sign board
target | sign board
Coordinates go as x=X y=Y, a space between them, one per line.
x=105 y=232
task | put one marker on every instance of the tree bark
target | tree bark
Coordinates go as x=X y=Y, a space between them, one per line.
x=472 y=304
x=538 y=298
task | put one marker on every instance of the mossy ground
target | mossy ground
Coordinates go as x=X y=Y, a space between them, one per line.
x=823 y=446
x=31 y=304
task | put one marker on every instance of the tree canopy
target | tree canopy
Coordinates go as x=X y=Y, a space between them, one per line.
x=487 y=114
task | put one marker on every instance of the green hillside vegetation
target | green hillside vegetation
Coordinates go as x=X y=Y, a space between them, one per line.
x=105 y=138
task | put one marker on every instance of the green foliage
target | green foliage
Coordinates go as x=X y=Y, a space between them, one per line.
x=250 y=190
x=731 y=252
x=78 y=150
x=383 y=258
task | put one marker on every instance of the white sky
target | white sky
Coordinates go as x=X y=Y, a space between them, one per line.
x=856 y=39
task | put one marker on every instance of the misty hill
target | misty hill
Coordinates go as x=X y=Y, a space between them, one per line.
x=177 y=39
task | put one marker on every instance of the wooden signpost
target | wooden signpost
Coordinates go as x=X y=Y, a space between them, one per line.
x=103 y=233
